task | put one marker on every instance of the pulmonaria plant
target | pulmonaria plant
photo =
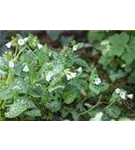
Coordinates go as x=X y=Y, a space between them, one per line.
x=41 y=83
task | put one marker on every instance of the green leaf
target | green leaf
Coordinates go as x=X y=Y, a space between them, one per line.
x=18 y=69
x=19 y=106
x=29 y=57
x=65 y=40
x=55 y=81
x=53 y=106
x=105 y=60
x=116 y=50
x=81 y=62
x=128 y=56
x=36 y=91
x=116 y=75
x=96 y=35
x=83 y=75
x=113 y=111
x=93 y=75
x=57 y=87
x=64 y=112
x=80 y=45
x=19 y=85
x=33 y=113
x=119 y=39
x=6 y=94
x=75 y=116
x=42 y=55
x=79 y=84
x=106 y=117
x=97 y=89
x=69 y=97
x=115 y=97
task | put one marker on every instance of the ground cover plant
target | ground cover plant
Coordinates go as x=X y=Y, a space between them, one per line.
x=82 y=79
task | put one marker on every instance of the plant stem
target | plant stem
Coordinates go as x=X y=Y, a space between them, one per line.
x=109 y=105
x=91 y=108
x=3 y=104
x=9 y=77
x=20 y=52
x=16 y=51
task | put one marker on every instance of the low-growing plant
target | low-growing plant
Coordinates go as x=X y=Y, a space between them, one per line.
x=38 y=83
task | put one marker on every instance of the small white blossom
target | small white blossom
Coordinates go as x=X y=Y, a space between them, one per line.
x=21 y=42
x=87 y=104
x=97 y=81
x=26 y=68
x=130 y=96
x=123 y=94
x=8 y=45
x=68 y=77
x=98 y=117
x=26 y=39
x=11 y=64
x=40 y=46
x=49 y=76
x=75 y=47
x=73 y=74
x=79 y=69
x=117 y=90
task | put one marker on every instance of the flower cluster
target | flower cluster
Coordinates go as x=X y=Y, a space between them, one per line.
x=70 y=75
x=123 y=94
x=22 y=41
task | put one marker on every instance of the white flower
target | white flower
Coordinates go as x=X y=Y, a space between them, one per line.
x=98 y=117
x=130 y=96
x=75 y=47
x=79 y=69
x=21 y=42
x=117 y=90
x=123 y=94
x=11 y=64
x=68 y=77
x=26 y=39
x=26 y=68
x=87 y=104
x=73 y=74
x=8 y=45
x=40 y=46
x=97 y=81
x=49 y=76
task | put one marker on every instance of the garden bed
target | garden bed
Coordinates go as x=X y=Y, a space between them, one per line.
x=67 y=75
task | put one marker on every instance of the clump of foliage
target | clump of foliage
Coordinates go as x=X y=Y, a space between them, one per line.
x=117 y=53
x=37 y=83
